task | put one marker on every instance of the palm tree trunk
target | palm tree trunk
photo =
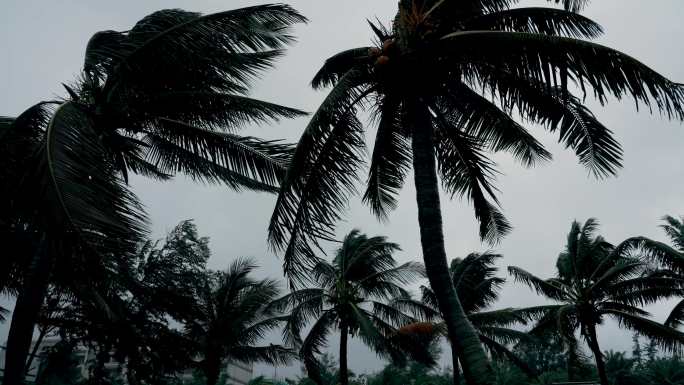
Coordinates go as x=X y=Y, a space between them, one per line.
x=36 y=346
x=25 y=315
x=454 y=362
x=598 y=356
x=476 y=367
x=101 y=359
x=344 y=371
x=213 y=371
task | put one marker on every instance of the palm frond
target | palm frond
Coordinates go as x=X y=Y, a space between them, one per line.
x=665 y=337
x=417 y=308
x=552 y=290
x=674 y=229
x=171 y=158
x=336 y=66
x=259 y=160
x=207 y=110
x=391 y=314
x=501 y=352
x=83 y=185
x=390 y=161
x=674 y=320
x=313 y=344
x=322 y=174
x=572 y=5
x=180 y=46
x=270 y=354
x=606 y=71
x=547 y=21
x=466 y=171
x=482 y=119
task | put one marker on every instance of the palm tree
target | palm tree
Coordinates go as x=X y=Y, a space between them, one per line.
x=354 y=294
x=443 y=84
x=166 y=97
x=596 y=280
x=478 y=288
x=232 y=314
x=674 y=229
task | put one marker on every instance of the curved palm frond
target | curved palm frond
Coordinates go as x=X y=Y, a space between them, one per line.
x=316 y=186
x=674 y=320
x=92 y=200
x=546 y=21
x=336 y=66
x=390 y=161
x=549 y=289
x=466 y=171
x=666 y=337
x=482 y=119
x=606 y=71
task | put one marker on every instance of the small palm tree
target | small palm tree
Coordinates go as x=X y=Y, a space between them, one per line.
x=478 y=288
x=674 y=229
x=353 y=294
x=232 y=314
x=166 y=97
x=596 y=280
x=444 y=83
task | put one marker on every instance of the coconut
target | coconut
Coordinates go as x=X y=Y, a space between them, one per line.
x=374 y=51
x=387 y=45
x=382 y=60
x=418 y=329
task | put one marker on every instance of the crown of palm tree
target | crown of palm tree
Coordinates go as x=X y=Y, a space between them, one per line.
x=165 y=97
x=233 y=313
x=463 y=70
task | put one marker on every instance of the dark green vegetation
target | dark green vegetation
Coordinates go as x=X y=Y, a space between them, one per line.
x=597 y=280
x=443 y=82
x=166 y=97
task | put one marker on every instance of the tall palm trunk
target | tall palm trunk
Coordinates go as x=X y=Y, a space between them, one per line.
x=476 y=367
x=25 y=315
x=213 y=371
x=344 y=371
x=598 y=356
x=454 y=362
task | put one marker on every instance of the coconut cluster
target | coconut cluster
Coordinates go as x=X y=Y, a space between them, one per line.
x=382 y=54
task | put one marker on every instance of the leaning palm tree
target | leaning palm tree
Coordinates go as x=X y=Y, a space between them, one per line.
x=596 y=280
x=443 y=83
x=354 y=294
x=477 y=286
x=166 y=97
x=232 y=315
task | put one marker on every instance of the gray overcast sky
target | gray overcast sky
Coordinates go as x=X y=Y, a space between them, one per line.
x=42 y=44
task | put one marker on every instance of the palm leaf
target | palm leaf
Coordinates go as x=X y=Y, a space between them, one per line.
x=466 y=171
x=336 y=66
x=321 y=176
x=606 y=71
x=552 y=290
x=92 y=201
x=390 y=161
x=666 y=337
x=547 y=21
